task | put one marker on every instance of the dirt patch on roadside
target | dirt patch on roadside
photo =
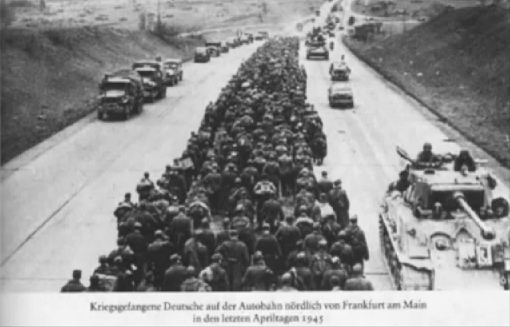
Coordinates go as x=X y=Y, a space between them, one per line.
x=49 y=78
x=456 y=65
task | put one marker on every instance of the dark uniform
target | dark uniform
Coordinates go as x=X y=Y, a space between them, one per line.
x=270 y=249
x=235 y=254
x=174 y=277
x=339 y=201
x=216 y=277
x=258 y=277
x=288 y=235
x=73 y=286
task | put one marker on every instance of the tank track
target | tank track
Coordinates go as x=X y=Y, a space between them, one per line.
x=403 y=275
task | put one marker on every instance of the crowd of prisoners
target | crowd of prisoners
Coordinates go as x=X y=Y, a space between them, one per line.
x=241 y=209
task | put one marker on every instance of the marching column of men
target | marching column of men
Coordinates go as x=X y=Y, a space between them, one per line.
x=241 y=210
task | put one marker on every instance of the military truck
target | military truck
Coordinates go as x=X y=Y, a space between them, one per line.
x=120 y=94
x=340 y=95
x=173 y=71
x=152 y=74
x=317 y=49
x=214 y=48
x=444 y=231
x=202 y=54
x=339 y=71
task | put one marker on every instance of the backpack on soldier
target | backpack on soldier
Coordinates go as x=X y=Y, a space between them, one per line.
x=319 y=264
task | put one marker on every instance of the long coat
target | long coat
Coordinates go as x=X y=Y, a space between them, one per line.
x=236 y=258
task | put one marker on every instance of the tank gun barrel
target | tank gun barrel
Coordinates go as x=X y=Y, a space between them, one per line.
x=487 y=232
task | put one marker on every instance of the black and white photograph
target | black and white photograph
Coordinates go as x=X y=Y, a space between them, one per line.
x=247 y=146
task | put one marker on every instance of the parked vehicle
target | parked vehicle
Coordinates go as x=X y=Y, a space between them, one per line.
x=173 y=71
x=120 y=94
x=152 y=74
x=339 y=71
x=340 y=95
x=202 y=54
x=214 y=48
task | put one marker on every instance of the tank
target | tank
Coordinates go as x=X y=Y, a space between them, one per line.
x=442 y=232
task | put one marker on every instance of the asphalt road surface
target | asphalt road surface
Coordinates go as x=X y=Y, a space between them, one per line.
x=58 y=198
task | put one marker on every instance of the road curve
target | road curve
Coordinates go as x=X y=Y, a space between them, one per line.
x=58 y=198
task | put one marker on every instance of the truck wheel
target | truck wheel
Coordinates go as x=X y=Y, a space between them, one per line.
x=126 y=114
x=100 y=115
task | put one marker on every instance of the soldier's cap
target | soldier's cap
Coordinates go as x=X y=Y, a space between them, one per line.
x=302 y=208
x=175 y=257
x=330 y=217
x=338 y=182
x=190 y=270
x=127 y=195
x=286 y=278
x=103 y=259
x=258 y=255
x=137 y=225
x=233 y=232
x=335 y=280
x=146 y=174
x=404 y=173
x=182 y=208
x=205 y=221
x=94 y=278
x=354 y=218
x=357 y=269
x=226 y=221
x=342 y=234
x=335 y=260
x=159 y=233
x=265 y=226
x=323 y=242
x=76 y=273
x=301 y=255
x=117 y=260
x=316 y=225
x=324 y=173
x=217 y=257
x=289 y=218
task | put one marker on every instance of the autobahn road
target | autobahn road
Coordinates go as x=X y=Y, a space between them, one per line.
x=58 y=198
x=361 y=152
x=57 y=202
